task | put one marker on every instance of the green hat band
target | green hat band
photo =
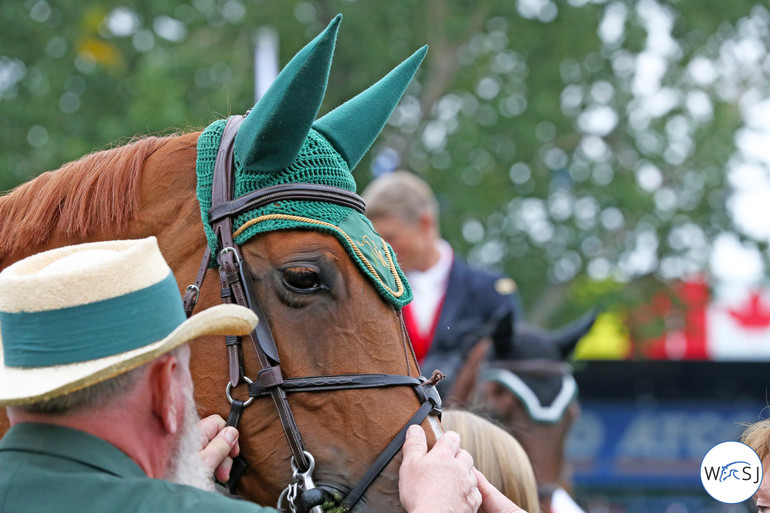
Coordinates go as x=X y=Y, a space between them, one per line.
x=77 y=333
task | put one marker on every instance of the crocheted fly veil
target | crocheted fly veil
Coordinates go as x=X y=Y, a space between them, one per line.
x=281 y=142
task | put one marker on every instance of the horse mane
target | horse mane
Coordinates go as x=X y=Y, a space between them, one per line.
x=97 y=191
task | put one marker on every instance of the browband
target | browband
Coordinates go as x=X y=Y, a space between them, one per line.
x=287 y=191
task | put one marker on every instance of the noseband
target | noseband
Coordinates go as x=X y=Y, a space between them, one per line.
x=237 y=287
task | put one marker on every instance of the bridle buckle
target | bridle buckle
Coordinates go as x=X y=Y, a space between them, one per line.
x=196 y=294
x=225 y=251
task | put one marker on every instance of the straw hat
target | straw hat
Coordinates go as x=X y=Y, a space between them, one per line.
x=75 y=316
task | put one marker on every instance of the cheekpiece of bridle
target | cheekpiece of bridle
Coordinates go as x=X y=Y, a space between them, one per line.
x=237 y=287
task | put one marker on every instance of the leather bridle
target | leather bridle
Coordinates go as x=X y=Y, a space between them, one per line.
x=237 y=287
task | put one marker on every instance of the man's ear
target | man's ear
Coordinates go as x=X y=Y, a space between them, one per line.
x=166 y=398
x=426 y=222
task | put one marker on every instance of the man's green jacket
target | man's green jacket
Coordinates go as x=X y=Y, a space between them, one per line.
x=49 y=468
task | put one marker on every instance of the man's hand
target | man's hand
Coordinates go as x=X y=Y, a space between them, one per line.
x=219 y=445
x=492 y=501
x=440 y=480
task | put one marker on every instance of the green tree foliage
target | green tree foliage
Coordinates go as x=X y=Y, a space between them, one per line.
x=583 y=146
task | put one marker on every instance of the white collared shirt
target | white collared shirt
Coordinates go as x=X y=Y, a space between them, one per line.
x=561 y=502
x=429 y=288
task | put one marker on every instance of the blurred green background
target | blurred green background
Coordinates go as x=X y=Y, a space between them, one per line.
x=583 y=147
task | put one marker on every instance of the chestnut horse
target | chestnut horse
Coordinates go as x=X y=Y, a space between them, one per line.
x=518 y=377
x=330 y=310
x=148 y=188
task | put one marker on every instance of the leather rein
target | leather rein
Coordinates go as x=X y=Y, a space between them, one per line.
x=237 y=287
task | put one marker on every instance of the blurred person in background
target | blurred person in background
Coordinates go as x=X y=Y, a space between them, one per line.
x=454 y=304
x=497 y=455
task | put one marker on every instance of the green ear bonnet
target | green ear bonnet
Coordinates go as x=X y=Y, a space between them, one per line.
x=280 y=142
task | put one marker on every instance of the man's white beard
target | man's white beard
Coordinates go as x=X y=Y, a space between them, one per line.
x=185 y=464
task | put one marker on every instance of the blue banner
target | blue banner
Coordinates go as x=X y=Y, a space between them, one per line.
x=622 y=444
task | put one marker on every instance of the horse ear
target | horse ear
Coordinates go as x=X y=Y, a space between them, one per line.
x=272 y=134
x=568 y=337
x=503 y=335
x=353 y=126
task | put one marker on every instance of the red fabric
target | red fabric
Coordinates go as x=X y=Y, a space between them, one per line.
x=694 y=298
x=421 y=343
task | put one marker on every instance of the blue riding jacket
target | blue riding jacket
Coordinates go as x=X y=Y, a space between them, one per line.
x=474 y=301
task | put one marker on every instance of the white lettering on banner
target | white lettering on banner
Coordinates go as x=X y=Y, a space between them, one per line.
x=586 y=437
x=654 y=435
x=674 y=435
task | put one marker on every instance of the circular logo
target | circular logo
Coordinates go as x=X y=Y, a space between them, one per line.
x=731 y=472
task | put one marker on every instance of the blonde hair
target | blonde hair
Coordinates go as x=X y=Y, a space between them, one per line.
x=402 y=194
x=497 y=455
x=757 y=436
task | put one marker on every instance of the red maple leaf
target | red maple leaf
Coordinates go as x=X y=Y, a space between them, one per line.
x=753 y=313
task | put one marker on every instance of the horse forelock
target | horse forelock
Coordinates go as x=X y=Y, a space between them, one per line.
x=97 y=191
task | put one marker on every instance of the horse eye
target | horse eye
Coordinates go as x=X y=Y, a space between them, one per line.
x=301 y=279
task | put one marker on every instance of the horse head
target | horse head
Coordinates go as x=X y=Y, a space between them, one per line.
x=528 y=387
x=328 y=289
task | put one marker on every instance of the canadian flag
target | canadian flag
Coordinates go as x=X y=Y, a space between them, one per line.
x=738 y=325
x=733 y=324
